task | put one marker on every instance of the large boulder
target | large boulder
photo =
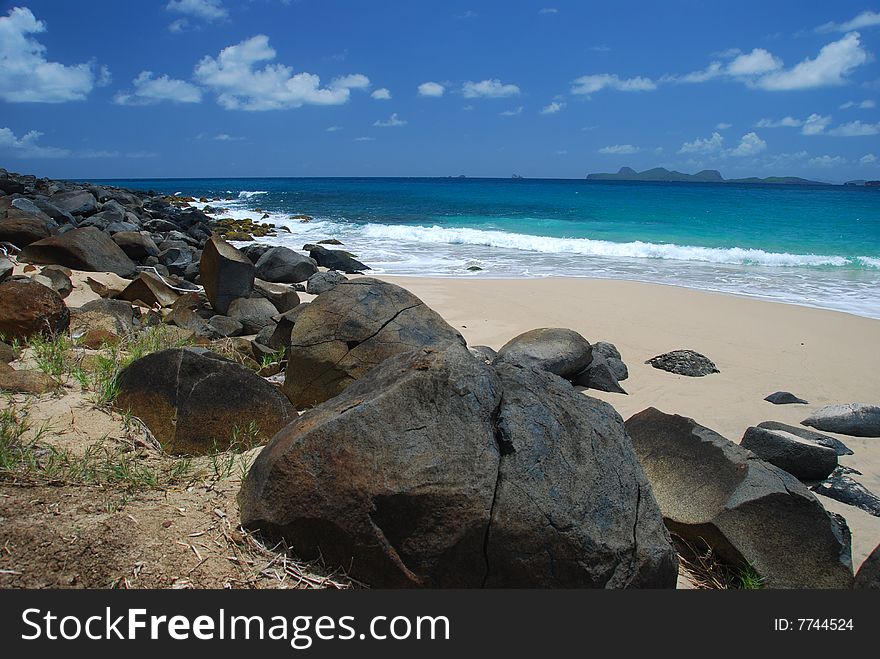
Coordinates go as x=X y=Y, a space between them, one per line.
x=80 y=202
x=868 y=575
x=684 y=362
x=149 y=289
x=419 y=475
x=253 y=313
x=28 y=308
x=785 y=398
x=25 y=381
x=22 y=229
x=112 y=316
x=335 y=259
x=816 y=438
x=801 y=458
x=750 y=513
x=840 y=487
x=88 y=249
x=857 y=419
x=283 y=265
x=562 y=352
x=321 y=282
x=194 y=402
x=283 y=297
x=226 y=274
x=135 y=244
x=352 y=328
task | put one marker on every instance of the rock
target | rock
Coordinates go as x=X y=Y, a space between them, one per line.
x=86 y=249
x=6 y=268
x=283 y=297
x=321 y=282
x=150 y=290
x=802 y=459
x=840 y=487
x=785 y=398
x=716 y=493
x=484 y=353
x=96 y=339
x=284 y=326
x=193 y=403
x=7 y=353
x=135 y=244
x=115 y=316
x=226 y=274
x=600 y=376
x=334 y=259
x=684 y=362
x=562 y=352
x=29 y=207
x=55 y=214
x=28 y=308
x=254 y=251
x=402 y=479
x=283 y=265
x=76 y=203
x=856 y=419
x=352 y=328
x=611 y=355
x=226 y=326
x=23 y=230
x=868 y=575
x=25 y=382
x=822 y=440
x=57 y=279
x=185 y=317
x=253 y=313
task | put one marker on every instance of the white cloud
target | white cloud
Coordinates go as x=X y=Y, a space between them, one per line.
x=867 y=104
x=714 y=70
x=382 y=94
x=868 y=159
x=548 y=10
x=224 y=137
x=785 y=122
x=749 y=145
x=757 y=62
x=333 y=129
x=553 y=108
x=209 y=10
x=240 y=86
x=855 y=129
x=365 y=139
x=827 y=161
x=863 y=20
x=706 y=146
x=26 y=76
x=512 y=113
x=488 y=89
x=149 y=90
x=26 y=146
x=594 y=83
x=619 y=149
x=815 y=124
x=432 y=89
x=723 y=125
x=393 y=120
x=727 y=54
x=829 y=68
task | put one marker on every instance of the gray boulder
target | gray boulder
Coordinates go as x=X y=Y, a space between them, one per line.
x=283 y=297
x=335 y=259
x=253 y=313
x=80 y=202
x=226 y=326
x=351 y=329
x=599 y=375
x=822 y=440
x=802 y=459
x=483 y=353
x=226 y=274
x=321 y=282
x=87 y=249
x=716 y=493
x=785 y=398
x=840 y=487
x=856 y=419
x=684 y=362
x=283 y=265
x=609 y=353
x=562 y=352
x=136 y=245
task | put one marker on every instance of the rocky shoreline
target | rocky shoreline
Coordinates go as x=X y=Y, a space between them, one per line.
x=392 y=448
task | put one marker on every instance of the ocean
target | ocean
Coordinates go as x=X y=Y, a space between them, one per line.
x=817 y=246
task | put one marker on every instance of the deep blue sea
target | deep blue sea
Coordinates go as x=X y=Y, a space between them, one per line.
x=815 y=245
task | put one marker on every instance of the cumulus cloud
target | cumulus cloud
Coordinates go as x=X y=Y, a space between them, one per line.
x=432 y=89
x=333 y=129
x=829 y=68
x=619 y=149
x=393 y=120
x=867 y=104
x=855 y=129
x=512 y=113
x=488 y=89
x=815 y=124
x=863 y=20
x=749 y=145
x=239 y=85
x=381 y=94
x=827 y=161
x=706 y=146
x=365 y=139
x=209 y=10
x=553 y=108
x=149 y=90
x=723 y=125
x=594 y=83
x=26 y=146
x=26 y=76
x=548 y=10
x=868 y=159
x=754 y=63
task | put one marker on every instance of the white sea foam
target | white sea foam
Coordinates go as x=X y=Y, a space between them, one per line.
x=247 y=194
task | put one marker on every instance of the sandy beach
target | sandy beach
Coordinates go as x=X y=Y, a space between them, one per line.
x=825 y=357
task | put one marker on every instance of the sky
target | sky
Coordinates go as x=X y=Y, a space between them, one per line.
x=242 y=88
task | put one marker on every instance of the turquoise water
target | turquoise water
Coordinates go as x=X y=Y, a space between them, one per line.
x=818 y=246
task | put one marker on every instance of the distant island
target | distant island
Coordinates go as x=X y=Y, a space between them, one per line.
x=706 y=176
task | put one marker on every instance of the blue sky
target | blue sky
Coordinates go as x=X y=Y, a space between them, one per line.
x=205 y=88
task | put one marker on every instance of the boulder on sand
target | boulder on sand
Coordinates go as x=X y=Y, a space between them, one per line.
x=684 y=362
x=802 y=459
x=22 y=229
x=419 y=475
x=856 y=419
x=335 y=259
x=149 y=289
x=226 y=274
x=556 y=350
x=115 y=316
x=321 y=282
x=28 y=308
x=88 y=249
x=840 y=487
x=785 y=398
x=351 y=329
x=716 y=493
x=284 y=266
x=817 y=438
x=194 y=402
